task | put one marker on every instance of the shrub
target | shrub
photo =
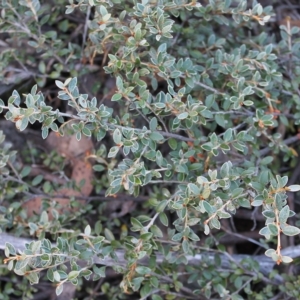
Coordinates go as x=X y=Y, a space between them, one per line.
x=203 y=110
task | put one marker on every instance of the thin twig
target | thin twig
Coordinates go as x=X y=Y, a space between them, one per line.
x=244 y=238
x=209 y=88
x=85 y=30
x=287 y=142
x=113 y=126
x=244 y=285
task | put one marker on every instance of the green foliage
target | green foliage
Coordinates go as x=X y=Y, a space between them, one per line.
x=200 y=116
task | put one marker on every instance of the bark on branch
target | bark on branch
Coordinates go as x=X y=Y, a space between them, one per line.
x=266 y=264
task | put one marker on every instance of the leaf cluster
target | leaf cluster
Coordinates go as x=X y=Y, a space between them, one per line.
x=199 y=125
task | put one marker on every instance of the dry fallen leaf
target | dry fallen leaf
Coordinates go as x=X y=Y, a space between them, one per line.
x=76 y=152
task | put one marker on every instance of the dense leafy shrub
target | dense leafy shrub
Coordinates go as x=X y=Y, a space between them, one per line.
x=203 y=110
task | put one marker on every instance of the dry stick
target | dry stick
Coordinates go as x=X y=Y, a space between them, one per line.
x=266 y=264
